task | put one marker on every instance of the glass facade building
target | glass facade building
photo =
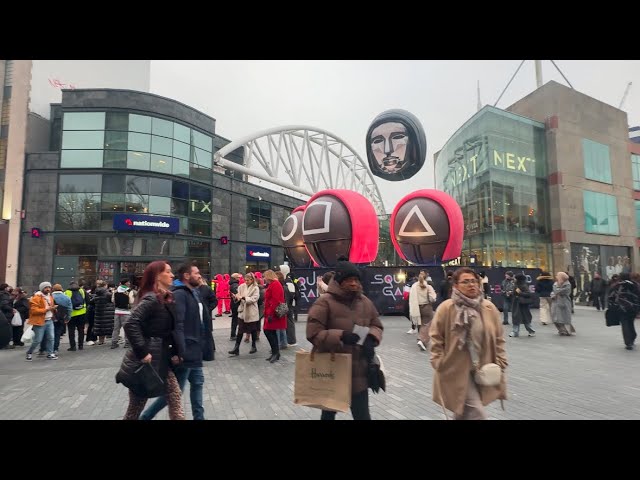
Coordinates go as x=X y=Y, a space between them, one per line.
x=495 y=168
x=122 y=156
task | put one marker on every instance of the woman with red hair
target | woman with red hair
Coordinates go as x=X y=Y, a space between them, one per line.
x=149 y=332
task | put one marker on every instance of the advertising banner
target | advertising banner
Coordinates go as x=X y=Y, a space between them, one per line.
x=383 y=285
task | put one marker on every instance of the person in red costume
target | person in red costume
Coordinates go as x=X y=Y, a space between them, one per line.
x=222 y=293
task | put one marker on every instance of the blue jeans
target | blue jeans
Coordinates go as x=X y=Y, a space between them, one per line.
x=196 y=383
x=41 y=331
x=516 y=329
x=506 y=308
x=282 y=338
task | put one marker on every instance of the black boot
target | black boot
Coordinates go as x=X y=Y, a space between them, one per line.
x=235 y=352
x=269 y=358
x=253 y=349
x=275 y=358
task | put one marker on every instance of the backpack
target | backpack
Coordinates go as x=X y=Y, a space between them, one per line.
x=77 y=300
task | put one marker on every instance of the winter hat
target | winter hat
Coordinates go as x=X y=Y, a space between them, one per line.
x=285 y=270
x=44 y=285
x=345 y=269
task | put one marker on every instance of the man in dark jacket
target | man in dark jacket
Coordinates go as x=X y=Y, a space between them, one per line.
x=508 y=286
x=598 y=288
x=191 y=333
x=210 y=300
x=7 y=311
x=572 y=282
x=6 y=302
x=5 y=331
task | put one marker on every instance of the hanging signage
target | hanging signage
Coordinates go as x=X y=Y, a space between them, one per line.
x=145 y=223
x=258 y=253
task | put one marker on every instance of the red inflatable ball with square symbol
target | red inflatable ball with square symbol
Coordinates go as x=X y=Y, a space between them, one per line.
x=337 y=223
x=292 y=240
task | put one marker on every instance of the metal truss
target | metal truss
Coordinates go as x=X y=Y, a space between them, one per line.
x=303 y=159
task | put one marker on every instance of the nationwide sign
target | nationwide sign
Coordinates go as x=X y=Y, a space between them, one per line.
x=257 y=253
x=145 y=223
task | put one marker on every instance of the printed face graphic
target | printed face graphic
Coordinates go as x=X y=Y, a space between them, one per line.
x=293 y=242
x=421 y=228
x=389 y=146
x=326 y=230
x=396 y=145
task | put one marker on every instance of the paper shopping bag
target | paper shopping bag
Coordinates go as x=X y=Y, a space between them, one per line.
x=323 y=380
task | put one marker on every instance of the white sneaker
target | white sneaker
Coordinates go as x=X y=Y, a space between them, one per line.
x=412 y=331
x=421 y=345
x=91 y=343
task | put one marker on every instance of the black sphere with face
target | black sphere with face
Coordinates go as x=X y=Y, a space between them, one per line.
x=421 y=228
x=293 y=242
x=396 y=145
x=327 y=230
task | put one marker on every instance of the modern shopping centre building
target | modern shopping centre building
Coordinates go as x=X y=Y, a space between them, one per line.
x=128 y=178
x=551 y=182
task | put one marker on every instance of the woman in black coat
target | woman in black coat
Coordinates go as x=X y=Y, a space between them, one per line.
x=104 y=312
x=521 y=310
x=149 y=331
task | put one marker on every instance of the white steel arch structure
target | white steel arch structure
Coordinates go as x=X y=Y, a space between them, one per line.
x=303 y=159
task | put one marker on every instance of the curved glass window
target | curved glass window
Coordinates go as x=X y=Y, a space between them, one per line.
x=140 y=142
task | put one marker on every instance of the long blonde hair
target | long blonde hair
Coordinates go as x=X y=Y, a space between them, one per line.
x=269 y=275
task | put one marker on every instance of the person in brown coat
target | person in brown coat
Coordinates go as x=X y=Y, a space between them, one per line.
x=466 y=321
x=330 y=325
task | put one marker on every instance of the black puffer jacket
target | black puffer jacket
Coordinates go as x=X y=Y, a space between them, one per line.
x=521 y=308
x=544 y=285
x=22 y=306
x=149 y=330
x=6 y=304
x=104 y=312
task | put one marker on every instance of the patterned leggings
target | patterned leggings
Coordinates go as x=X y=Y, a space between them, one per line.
x=173 y=397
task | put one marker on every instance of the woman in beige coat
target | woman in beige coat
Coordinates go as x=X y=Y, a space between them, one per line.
x=466 y=321
x=248 y=313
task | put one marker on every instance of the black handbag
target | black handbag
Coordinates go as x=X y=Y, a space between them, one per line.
x=142 y=378
x=611 y=319
x=375 y=375
x=149 y=381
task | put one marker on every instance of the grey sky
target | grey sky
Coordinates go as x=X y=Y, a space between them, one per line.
x=344 y=96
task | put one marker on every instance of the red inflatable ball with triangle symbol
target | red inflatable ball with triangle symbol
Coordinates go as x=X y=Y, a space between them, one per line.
x=427 y=227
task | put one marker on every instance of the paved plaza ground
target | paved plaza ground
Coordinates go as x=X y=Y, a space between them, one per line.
x=589 y=376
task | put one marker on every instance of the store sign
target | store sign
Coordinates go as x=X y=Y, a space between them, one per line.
x=464 y=170
x=145 y=223
x=258 y=253
x=200 y=206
